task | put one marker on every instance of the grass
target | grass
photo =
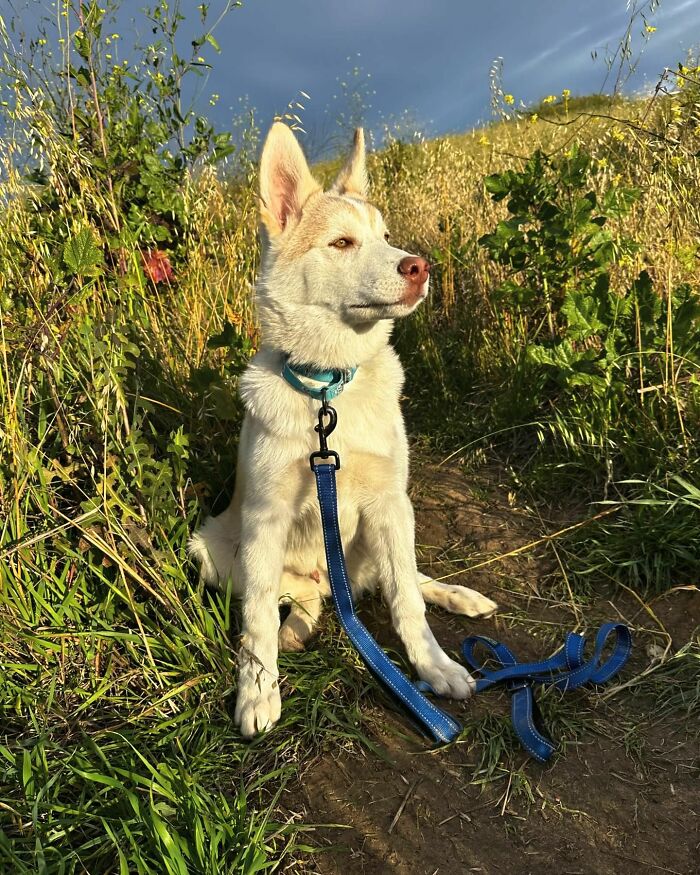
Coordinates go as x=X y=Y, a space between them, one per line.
x=118 y=429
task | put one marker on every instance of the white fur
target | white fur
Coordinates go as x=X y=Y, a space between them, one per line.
x=332 y=306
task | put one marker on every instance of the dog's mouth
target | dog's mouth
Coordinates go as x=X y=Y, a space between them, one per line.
x=406 y=302
x=376 y=305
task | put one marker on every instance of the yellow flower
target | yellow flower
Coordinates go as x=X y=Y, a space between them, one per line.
x=566 y=94
x=509 y=99
x=649 y=28
x=602 y=162
x=550 y=98
x=533 y=118
x=483 y=140
x=618 y=135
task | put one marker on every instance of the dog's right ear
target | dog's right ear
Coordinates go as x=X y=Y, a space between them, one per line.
x=352 y=179
x=285 y=179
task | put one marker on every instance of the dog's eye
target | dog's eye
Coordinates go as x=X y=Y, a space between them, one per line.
x=342 y=243
x=386 y=236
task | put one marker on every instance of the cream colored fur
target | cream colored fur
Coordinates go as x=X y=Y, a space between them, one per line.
x=330 y=303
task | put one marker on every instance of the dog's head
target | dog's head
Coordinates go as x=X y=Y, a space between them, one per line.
x=331 y=281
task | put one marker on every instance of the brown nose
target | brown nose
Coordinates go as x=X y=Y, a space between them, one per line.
x=415 y=269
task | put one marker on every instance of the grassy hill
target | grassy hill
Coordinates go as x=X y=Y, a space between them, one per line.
x=560 y=345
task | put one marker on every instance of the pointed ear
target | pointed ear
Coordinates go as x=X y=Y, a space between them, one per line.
x=352 y=179
x=285 y=179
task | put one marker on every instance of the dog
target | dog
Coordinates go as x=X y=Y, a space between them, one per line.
x=330 y=286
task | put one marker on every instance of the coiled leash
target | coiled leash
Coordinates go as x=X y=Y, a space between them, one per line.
x=566 y=670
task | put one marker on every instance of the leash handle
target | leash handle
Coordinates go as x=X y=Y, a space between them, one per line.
x=566 y=669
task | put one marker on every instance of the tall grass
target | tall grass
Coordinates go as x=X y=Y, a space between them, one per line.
x=128 y=259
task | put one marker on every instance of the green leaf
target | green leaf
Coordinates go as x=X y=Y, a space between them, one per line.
x=582 y=314
x=212 y=42
x=81 y=254
x=498 y=185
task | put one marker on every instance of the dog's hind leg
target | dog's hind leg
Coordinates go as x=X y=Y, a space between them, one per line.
x=303 y=596
x=457 y=599
x=215 y=547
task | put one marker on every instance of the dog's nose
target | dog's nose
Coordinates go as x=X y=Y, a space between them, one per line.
x=415 y=269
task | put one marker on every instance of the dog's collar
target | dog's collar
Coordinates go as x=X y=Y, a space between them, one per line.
x=325 y=384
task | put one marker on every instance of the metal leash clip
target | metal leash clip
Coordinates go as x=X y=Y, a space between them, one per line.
x=324 y=430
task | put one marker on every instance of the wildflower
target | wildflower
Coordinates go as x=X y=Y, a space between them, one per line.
x=550 y=98
x=157 y=265
x=649 y=28
x=509 y=99
x=566 y=93
x=483 y=140
x=533 y=118
x=602 y=162
x=618 y=135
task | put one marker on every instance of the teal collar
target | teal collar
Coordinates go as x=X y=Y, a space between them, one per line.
x=331 y=383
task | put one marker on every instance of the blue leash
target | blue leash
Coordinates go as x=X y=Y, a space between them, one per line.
x=440 y=725
x=566 y=670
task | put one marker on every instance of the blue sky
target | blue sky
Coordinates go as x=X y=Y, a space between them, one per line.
x=431 y=57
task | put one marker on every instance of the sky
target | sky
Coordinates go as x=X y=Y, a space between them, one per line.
x=428 y=58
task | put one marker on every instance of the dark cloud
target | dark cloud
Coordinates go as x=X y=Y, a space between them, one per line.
x=433 y=57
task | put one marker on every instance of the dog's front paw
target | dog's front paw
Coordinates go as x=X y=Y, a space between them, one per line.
x=258 y=705
x=257 y=709
x=447 y=677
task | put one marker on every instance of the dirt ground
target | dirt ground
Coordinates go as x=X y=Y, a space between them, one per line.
x=623 y=796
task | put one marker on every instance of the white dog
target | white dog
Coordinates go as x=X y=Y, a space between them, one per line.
x=331 y=285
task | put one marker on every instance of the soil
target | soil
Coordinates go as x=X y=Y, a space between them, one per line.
x=622 y=795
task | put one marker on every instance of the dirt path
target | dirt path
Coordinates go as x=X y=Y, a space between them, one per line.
x=623 y=798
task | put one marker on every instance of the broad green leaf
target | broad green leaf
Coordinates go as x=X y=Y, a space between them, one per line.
x=81 y=254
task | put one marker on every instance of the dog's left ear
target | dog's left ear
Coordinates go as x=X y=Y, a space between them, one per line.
x=352 y=179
